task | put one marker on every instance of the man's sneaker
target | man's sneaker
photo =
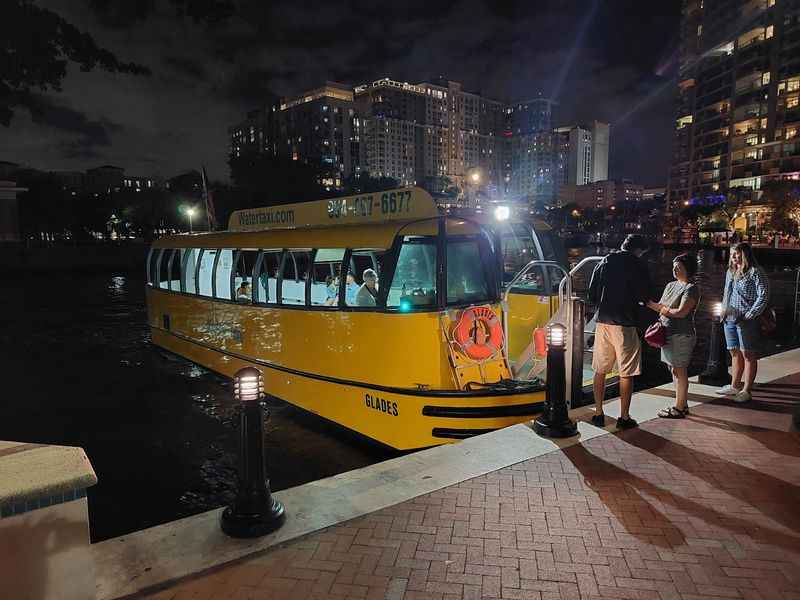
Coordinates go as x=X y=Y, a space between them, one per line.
x=742 y=397
x=628 y=423
x=728 y=390
x=599 y=420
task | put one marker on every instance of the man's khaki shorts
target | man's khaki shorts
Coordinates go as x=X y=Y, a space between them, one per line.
x=617 y=344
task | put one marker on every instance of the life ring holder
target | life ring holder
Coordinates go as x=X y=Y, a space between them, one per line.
x=479 y=321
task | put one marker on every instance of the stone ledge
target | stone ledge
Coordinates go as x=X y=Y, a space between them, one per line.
x=37 y=475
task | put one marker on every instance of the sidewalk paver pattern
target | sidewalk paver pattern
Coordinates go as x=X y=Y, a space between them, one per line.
x=700 y=508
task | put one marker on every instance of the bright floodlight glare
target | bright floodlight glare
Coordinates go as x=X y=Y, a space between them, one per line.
x=190 y=211
x=501 y=213
x=717 y=310
x=248 y=385
x=556 y=335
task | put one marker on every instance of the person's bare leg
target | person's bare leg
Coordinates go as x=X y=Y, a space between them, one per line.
x=625 y=393
x=599 y=389
x=681 y=377
x=738 y=367
x=750 y=370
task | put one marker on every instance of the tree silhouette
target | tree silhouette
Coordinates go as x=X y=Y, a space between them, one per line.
x=36 y=45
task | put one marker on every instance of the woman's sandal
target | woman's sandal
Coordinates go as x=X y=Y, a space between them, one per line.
x=673 y=412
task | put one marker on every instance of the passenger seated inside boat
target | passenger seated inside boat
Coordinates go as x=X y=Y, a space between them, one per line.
x=368 y=292
x=244 y=293
x=331 y=290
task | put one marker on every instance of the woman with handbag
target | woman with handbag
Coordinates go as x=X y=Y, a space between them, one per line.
x=744 y=305
x=676 y=308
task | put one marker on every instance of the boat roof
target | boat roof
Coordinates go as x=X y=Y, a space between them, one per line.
x=378 y=235
x=401 y=204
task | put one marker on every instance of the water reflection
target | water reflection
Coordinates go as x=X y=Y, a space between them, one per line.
x=161 y=432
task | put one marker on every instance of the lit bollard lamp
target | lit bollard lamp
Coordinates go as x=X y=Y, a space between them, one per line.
x=254 y=512
x=554 y=421
x=716 y=372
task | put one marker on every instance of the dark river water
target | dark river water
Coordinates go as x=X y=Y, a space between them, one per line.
x=161 y=433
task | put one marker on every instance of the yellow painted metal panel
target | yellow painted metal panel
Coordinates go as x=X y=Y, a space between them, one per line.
x=402 y=204
x=393 y=418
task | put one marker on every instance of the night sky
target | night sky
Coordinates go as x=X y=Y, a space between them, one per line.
x=613 y=60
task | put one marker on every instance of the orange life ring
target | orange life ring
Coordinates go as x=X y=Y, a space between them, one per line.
x=479 y=333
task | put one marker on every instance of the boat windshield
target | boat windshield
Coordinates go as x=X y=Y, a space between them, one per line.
x=519 y=248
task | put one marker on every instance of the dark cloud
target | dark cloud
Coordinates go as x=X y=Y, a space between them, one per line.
x=87 y=135
x=208 y=70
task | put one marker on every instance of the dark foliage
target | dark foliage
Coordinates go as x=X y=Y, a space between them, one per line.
x=36 y=45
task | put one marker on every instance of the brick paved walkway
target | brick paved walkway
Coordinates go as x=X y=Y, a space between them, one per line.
x=701 y=508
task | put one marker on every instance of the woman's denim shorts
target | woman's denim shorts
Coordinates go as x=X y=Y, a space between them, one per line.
x=742 y=334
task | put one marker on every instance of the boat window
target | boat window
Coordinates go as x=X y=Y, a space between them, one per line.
x=358 y=291
x=553 y=249
x=190 y=257
x=222 y=278
x=175 y=270
x=152 y=266
x=467 y=281
x=518 y=249
x=243 y=275
x=266 y=278
x=414 y=282
x=206 y=268
x=295 y=272
x=325 y=276
x=163 y=269
x=533 y=282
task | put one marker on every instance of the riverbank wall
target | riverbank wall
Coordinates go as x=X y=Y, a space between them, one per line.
x=94 y=257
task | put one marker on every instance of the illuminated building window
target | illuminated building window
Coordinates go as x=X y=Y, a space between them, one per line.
x=765 y=78
x=769 y=32
x=792 y=102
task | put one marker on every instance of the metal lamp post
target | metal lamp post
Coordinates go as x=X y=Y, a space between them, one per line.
x=716 y=372
x=254 y=512
x=190 y=213
x=555 y=421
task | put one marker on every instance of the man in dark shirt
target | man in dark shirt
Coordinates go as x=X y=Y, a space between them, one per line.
x=620 y=283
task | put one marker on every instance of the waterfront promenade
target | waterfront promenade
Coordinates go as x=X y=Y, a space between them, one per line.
x=704 y=507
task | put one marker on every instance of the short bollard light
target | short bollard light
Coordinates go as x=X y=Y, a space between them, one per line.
x=555 y=421
x=716 y=371
x=254 y=512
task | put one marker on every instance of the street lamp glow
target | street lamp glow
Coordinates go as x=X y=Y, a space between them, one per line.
x=190 y=210
x=248 y=385
x=475 y=177
x=502 y=213
x=556 y=335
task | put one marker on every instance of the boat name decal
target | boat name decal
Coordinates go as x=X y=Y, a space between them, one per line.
x=381 y=404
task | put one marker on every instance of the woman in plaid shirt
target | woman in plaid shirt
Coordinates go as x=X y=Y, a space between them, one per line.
x=745 y=298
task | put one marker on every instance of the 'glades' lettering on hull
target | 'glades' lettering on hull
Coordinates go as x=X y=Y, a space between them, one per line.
x=390 y=408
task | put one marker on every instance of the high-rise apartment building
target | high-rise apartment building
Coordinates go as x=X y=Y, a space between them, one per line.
x=430 y=134
x=581 y=154
x=318 y=127
x=529 y=170
x=738 y=116
x=433 y=134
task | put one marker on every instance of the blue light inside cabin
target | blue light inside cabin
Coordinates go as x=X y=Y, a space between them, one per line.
x=405 y=306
